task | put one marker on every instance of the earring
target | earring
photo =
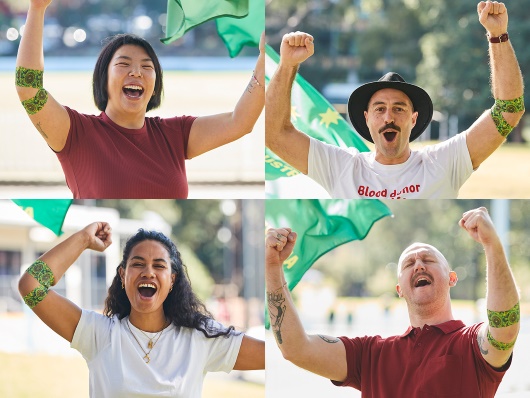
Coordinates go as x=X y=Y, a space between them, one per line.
x=171 y=288
x=122 y=285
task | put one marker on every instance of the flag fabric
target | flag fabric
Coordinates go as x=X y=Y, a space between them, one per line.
x=48 y=212
x=183 y=15
x=237 y=33
x=321 y=225
x=312 y=114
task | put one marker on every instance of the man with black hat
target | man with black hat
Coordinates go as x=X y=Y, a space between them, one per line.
x=391 y=113
x=438 y=355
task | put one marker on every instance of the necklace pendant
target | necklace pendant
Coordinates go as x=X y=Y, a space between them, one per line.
x=146 y=358
x=150 y=344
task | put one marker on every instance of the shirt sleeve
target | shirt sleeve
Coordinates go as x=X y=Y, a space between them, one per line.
x=92 y=334
x=325 y=163
x=223 y=352
x=181 y=125
x=354 y=349
x=454 y=157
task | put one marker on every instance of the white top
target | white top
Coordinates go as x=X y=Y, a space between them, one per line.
x=179 y=360
x=435 y=171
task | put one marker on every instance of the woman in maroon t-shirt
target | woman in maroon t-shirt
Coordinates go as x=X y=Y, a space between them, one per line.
x=128 y=155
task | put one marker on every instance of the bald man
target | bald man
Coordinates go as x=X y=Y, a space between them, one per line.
x=436 y=354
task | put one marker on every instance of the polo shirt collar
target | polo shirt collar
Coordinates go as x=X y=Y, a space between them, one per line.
x=446 y=327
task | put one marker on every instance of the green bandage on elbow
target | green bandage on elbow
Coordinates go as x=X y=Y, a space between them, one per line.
x=32 y=78
x=29 y=77
x=44 y=275
x=509 y=106
x=35 y=296
x=502 y=319
x=499 y=345
x=35 y=104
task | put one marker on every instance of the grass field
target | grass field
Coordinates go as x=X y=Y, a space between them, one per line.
x=44 y=376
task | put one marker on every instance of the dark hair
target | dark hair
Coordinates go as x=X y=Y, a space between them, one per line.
x=181 y=306
x=101 y=70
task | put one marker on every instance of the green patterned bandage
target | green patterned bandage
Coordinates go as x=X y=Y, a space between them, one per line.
x=499 y=345
x=29 y=77
x=42 y=273
x=502 y=319
x=35 y=104
x=509 y=106
x=35 y=296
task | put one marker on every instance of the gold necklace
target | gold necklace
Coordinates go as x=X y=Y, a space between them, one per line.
x=150 y=345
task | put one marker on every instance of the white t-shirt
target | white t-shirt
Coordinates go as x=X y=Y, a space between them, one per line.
x=435 y=171
x=179 y=360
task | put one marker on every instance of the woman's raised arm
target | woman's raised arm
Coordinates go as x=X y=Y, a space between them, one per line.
x=56 y=311
x=48 y=116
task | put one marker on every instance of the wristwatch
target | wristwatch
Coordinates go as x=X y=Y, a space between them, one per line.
x=499 y=39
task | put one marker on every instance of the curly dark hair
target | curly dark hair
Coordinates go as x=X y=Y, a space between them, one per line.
x=182 y=307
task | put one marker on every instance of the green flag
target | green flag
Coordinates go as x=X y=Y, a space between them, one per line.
x=312 y=114
x=183 y=15
x=47 y=212
x=237 y=33
x=321 y=225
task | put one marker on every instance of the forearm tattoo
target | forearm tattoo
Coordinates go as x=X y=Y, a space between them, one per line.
x=277 y=308
x=35 y=296
x=499 y=345
x=509 y=106
x=502 y=319
x=328 y=339
x=253 y=83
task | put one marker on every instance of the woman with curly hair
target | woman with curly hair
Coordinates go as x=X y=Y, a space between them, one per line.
x=156 y=338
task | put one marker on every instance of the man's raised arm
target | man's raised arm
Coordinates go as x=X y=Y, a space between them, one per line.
x=323 y=355
x=496 y=337
x=493 y=126
x=281 y=136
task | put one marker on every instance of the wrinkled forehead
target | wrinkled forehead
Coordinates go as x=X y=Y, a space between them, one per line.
x=420 y=250
x=389 y=95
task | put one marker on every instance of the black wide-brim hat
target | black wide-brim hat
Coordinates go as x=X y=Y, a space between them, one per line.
x=358 y=103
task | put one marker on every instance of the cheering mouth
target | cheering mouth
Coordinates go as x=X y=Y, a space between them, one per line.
x=133 y=90
x=422 y=281
x=147 y=290
x=390 y=131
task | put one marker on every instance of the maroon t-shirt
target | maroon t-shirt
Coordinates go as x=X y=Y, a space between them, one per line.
x=104 y=160
x=437 y=361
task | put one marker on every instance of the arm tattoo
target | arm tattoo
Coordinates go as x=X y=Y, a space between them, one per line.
x=328 y=339
x=41 y=131
x=277 y=307
x=480 y=341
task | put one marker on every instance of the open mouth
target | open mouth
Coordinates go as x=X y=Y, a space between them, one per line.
x=147 y=290
x=390 y=135
x=422 y=281
x=133 y=91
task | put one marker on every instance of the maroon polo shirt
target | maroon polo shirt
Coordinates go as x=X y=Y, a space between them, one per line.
x=437 y=361
x=103 y=160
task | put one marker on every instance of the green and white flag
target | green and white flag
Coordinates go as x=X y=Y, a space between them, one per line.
x=48 y=212
x=312 y=114
x=321 y=226
x=183 y=15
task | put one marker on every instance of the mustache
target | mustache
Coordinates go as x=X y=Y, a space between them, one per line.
x=390 y=126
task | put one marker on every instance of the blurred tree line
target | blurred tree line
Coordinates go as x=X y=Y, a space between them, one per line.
x=369 y=267
x=440 y=46
x=197 y=223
